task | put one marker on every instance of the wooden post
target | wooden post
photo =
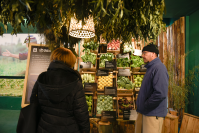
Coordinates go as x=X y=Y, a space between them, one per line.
x=165 y=48
x=182 y=34
x=161 y=46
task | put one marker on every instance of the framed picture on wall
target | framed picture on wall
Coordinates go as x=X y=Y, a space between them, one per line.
x=14 y=51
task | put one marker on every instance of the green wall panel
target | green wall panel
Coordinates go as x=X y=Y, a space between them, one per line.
x=10 y=103
x=192 y=60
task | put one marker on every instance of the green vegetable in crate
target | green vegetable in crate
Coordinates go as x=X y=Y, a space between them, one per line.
x=124 y=83
x=104 y=58
x=136 y=61
x=91 y=45
x=138 y=80
x=89 y=57
x=88 y=78
x=123 y=62
x=89 y=102
x=104 y=103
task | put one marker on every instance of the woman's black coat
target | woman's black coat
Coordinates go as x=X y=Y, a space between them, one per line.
x=62 y=100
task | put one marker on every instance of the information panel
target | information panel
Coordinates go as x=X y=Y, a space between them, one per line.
x=124 y=72
x=112 y=91
x=85 y=65
x=90 y=87
x=108 y=116
x=110 y=64
x=37 y=62
x=102 y=72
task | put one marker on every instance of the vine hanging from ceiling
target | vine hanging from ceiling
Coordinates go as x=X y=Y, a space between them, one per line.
x=124 y=19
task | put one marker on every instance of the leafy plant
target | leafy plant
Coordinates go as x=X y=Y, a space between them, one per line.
x=89 y=57
x=123 y=62
x=105 y=57
x=124 y=83
x=136 y=61
x=128 y=48
x=91 y=45
x=123 y=19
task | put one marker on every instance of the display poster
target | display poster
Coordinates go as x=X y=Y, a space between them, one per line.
x=90 y=87
x=14 y=52
x=124 y=72
x=108 y=116
x=37 y=62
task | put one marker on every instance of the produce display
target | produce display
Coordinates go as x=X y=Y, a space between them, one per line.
x=113 y=45
x=104 y=58
x=105 y=81
x=89 y=102
x=125 y=105
x=123 y=62
x=138 y=80
x=124 y=83
x=104 y=103
x=136 y=61
x=128 y=48
x=88 y=78
x=89 y=57
x=91 y=45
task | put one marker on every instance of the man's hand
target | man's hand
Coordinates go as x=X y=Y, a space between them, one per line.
x=7 y=53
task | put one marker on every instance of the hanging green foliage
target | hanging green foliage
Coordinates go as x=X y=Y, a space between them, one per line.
x=122 y=19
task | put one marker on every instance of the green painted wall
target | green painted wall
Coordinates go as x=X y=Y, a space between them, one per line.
x=192 y=60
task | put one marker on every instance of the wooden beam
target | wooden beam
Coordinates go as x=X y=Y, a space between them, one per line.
x=178 y=66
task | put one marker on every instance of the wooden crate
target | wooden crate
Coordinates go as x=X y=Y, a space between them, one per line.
x=135 y=69
x=125 y=92
x=113 y=82
x=128 y=98
x=92 y=69
x=170 y=124
x=90 y=94
x=190 y=124
x=114 y=106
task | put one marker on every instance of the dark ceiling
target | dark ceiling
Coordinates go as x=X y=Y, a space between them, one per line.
x=179 y=8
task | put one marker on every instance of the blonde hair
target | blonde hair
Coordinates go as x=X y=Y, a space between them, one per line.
x=65 y=55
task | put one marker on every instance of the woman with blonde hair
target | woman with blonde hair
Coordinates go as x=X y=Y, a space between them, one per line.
x=61 y=96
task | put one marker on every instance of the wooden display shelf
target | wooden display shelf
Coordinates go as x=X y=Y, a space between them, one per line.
x=124 y=68
x=82 y=72
x=88 y=93
x=128 y=98
x=113 y=51
x=142 y=73
x=137 y=89
x=91 y=113
x=135 y=69
x=94 y=51
x=93 y=69
x=124 y=92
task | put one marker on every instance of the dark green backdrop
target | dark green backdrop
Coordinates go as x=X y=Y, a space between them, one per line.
x=192 y=60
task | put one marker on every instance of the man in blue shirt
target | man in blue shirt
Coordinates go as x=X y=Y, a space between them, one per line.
x=152 y=98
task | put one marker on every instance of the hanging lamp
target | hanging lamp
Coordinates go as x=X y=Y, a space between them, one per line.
x=82 y=31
